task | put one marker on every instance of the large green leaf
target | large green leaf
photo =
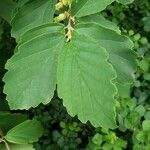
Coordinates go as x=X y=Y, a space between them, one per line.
x=27 y=132
x=32 y=14
x=6 y=9
x=7 y=120
x=85 y=81
x=119 y=48
x=82 y=8
x=31 y=76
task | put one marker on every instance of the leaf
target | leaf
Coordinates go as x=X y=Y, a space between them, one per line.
x=100 y=20
x=146 y=21
x=119 y=48
x=85 y=81
x=31 y=76
x=82 y=8
x=7 y=120
x=32 y=14
x=27 y=132
x=18 y=147
x=146 y=125
x=125 y=1
x=6 y=9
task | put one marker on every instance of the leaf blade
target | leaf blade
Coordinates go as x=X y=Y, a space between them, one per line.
x=27 y=132
x=88 y=7
x=33 y=68
x=78 y=79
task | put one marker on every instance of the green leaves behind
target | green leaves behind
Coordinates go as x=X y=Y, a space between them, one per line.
x=27 y=132
x=82 y=8
x=31 y=78
x=7 y=120
x=85 y=81
x=146 y=21
x=32 y=14
x=119 y=48
x=6 y=9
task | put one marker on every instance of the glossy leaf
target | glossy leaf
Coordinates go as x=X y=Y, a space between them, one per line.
x=82 y=8
x=85 y=81
x=25 y=133
x=31 y=76
x=32 y=14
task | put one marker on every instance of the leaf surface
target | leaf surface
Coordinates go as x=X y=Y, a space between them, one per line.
x=32 y=14
x=100 y=20
x=31 y=76
x=119 y=48
x=27 y=132
x=85 y=81
x=82 y=8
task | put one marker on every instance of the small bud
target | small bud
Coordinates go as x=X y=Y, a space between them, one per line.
x=59 y=5
x=60 y=18
x=65 y=2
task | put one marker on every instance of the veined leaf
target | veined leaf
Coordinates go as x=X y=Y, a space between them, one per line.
x=85 y=81
x=27 y=132
x=82 y=8
x=119 y=48
x=32 y=14
x=31 y=76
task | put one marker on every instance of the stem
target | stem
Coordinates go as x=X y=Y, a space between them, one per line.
x=6 y=144
x=69 y=28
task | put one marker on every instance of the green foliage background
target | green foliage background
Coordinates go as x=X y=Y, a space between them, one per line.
x=61 y=132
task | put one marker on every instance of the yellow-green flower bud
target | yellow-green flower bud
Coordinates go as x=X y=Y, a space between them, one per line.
x=59 y=5
x=60 y=18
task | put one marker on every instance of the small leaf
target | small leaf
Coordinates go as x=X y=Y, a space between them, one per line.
x=25 y=133
x=31 y=76
x=85 y=81
x=32 y=14
x=7 y=120
x=82 y=8
x=146 y=21
x=146 y=125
